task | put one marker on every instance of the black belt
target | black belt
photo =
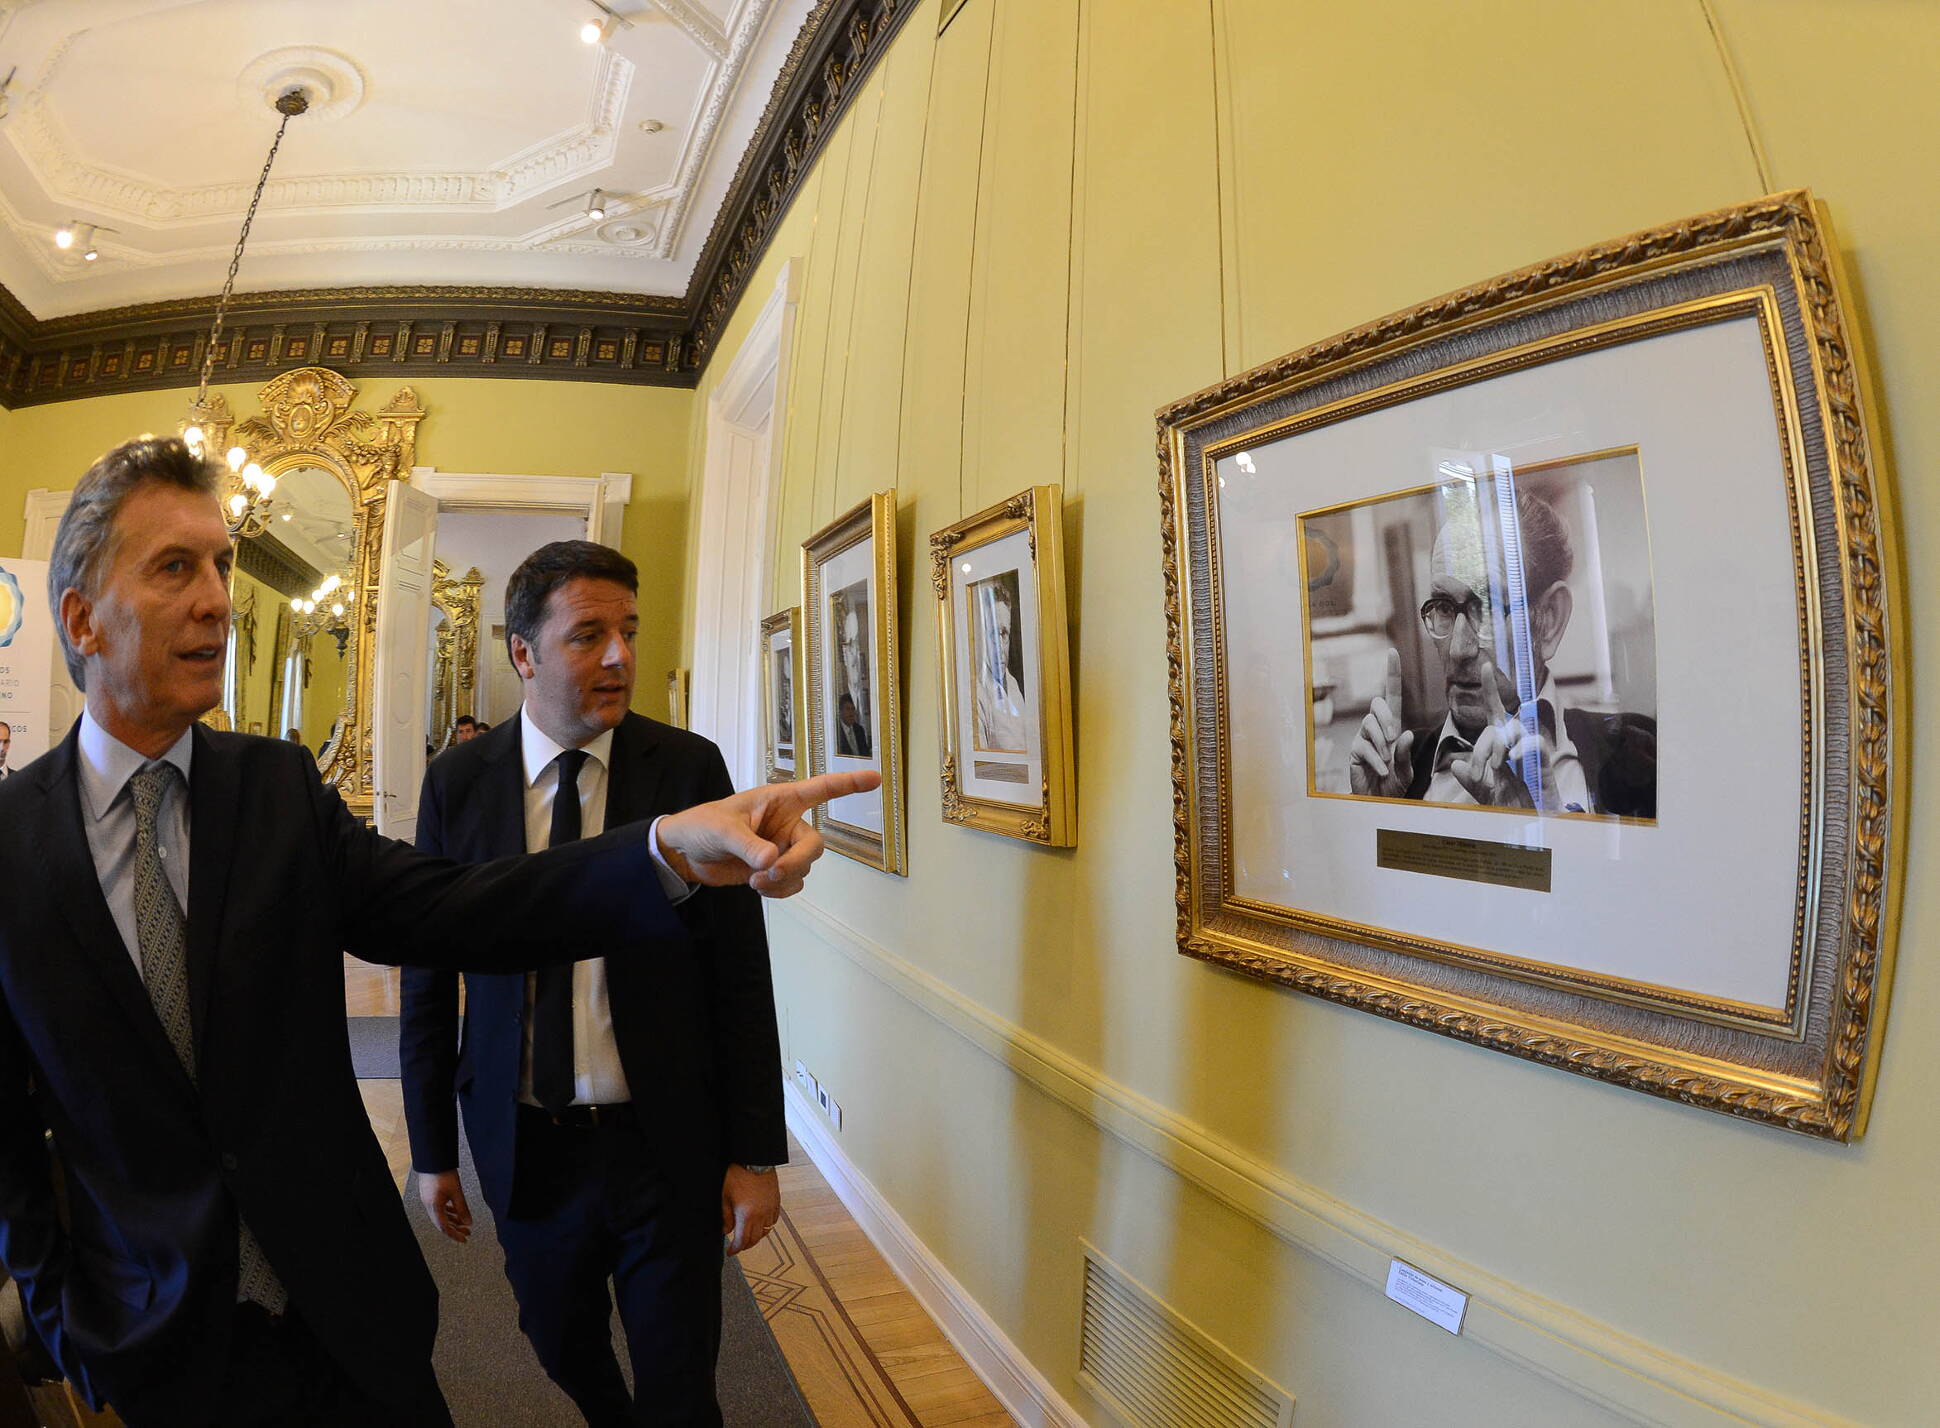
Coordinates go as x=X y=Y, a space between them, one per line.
x=585 y=1117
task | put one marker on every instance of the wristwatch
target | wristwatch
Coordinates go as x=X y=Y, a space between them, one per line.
x=759 y=1169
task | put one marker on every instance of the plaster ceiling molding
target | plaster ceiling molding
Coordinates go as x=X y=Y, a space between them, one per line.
x=51 y=153
x=699 y=148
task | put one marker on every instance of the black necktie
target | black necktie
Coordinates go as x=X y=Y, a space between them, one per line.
x=552 y=1002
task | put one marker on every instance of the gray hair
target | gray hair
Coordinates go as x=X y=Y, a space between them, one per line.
x=85 y=539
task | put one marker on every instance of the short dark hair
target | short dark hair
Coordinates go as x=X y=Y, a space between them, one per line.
x=545 y=570
x=467 y=719
x=84 y=541
x=1547 y=554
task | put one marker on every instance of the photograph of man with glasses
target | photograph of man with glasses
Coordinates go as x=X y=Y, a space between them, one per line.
x=1527 y=718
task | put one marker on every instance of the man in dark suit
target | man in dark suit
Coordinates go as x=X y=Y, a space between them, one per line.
x=1507 y=739
x=6 y=747
x=583 y=1187
x=226 y=1246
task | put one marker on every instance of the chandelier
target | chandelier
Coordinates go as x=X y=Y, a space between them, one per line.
x=246 y=495
x=325 y=610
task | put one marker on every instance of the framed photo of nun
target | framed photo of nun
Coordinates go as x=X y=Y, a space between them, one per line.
x=854 y=697
x=1004 y=671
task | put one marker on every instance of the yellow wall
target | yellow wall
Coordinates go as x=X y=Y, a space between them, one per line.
x=323 y=701
x=475 y=425
x=254 y=683
x=1026 y=236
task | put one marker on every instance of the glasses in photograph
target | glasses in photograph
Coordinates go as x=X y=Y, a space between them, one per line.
x=1439 y=612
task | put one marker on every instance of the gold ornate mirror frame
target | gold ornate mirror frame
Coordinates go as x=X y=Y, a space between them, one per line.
x=307 y=420
x=454 y=668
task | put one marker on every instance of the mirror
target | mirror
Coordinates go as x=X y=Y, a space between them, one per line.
x=305 y=588
x=453 y=686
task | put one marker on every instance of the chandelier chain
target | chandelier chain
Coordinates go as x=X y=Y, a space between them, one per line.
x=235 y=260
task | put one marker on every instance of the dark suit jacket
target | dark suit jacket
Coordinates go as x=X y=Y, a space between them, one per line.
x=1618 y=753
x=132 y=1282
x=695 y=1022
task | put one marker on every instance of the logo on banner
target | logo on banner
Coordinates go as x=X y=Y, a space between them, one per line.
x=12 y=607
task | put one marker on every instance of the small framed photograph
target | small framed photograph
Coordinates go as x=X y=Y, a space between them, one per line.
x=1008 y=761
x=783 y=691
x=854 y=700
x=1535 y=670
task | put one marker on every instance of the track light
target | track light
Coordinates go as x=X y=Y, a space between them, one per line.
x=595 y=210
x=598 y=30
x=91 y=254
x=64 y=236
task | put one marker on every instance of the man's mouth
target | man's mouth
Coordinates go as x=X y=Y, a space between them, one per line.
x=203 y=654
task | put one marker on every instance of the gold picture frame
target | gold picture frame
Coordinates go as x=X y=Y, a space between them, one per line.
x=1003 y=670
x=852 y=630
x=784 y=711
x=1364 y=545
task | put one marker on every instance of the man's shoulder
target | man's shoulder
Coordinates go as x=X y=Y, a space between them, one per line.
x=638 y=731
x=1614 y=732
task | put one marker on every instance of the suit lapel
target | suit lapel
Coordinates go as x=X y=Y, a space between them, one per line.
x=69 y=866
x=215 y=783
x=501 y=792
x=633 y=783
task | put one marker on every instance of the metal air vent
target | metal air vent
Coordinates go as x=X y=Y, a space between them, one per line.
x=1153 y=1369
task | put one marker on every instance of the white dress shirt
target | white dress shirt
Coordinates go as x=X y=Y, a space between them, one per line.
x=598 y=1079
x=108 y=815
x=1569 y=791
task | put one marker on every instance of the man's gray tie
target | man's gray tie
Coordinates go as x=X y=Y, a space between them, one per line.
x=163 y=933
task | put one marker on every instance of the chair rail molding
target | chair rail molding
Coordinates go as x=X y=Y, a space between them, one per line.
x=1604 y=1365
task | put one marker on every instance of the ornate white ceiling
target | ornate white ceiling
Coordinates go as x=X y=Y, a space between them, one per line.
x=441 y=136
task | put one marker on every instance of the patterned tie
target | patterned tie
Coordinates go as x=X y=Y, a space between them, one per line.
x=552 y=1000
x=163 y=934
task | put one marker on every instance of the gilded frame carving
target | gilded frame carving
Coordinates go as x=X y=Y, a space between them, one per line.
x=455 y=661
x=307 y=420
x=1046 y=814
x=1811 y=1070
x=773 y=769
x=866 y=535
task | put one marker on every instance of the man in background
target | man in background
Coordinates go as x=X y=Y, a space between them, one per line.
x=466 y=730
x=1507 y=739
x=623 y=1125
x=6 y=747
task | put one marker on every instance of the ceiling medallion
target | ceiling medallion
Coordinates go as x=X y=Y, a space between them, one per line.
x=333 y=82
x=626 y=231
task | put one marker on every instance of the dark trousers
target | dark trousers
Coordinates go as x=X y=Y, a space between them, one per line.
x=597 y=1207
x=279 y=1376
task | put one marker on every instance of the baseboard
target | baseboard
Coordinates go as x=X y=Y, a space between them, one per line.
x=1025 y=1393
x=1595 y=1360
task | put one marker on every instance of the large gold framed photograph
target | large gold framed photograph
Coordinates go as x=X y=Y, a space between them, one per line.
x=1537 y=676
x=784 y=721
x=855 y=707
x=1003 y=670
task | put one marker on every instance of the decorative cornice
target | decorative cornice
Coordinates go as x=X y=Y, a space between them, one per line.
x=423 y=331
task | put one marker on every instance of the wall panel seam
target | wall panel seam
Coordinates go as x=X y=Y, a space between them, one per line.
x=1574 y=1350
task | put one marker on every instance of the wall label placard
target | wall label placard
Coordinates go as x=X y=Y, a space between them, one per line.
x=1440 y=1304
x=1474 y=860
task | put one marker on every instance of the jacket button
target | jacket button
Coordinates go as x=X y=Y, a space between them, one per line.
x=228 y=1161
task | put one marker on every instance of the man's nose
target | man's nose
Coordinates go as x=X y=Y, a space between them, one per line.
x=212 y=593
x=619 y=653
x=1464 y=641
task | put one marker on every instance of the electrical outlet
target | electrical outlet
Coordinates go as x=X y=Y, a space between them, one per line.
x=835 y=1112
x=802 y=1078
x=822 y=1098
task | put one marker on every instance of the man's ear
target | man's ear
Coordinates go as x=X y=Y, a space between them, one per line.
x=1550 y=618
x=524 y=658
x=77 y=619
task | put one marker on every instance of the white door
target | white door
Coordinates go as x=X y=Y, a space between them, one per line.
x=401 y=669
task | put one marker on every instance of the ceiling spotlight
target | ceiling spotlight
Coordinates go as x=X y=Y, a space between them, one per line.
x=598 y=30
x=64 y=236
x=91 y=254
x=596 y=204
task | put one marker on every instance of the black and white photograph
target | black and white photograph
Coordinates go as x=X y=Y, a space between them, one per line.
x=849 y=619
x=784 y=705
x=1002 y=723
x=1489 y=640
